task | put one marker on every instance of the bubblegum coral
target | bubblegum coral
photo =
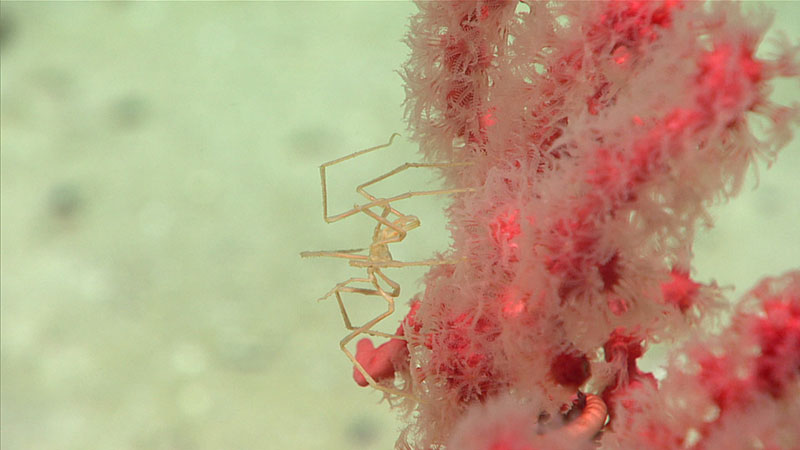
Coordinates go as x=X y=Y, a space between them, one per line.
x=585 y=142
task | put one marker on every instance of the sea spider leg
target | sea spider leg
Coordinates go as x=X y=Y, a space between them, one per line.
x=347 y=254
x=388 y=296
x=375 y=201
x=372 y=278
x=399 y=226
x=404 y=222
x=365 y=329
x=344 y=286
x=379 y=201
x=337 y=217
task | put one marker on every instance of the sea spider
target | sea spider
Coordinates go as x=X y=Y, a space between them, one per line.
x=387 y=231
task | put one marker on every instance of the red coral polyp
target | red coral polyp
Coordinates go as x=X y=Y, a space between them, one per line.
x=779 y=339
x=571 y=369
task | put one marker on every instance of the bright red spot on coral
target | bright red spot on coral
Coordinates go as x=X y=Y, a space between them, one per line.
x=680 y=291
x=411 y=317
x=779 y=337
x=621 y=55
x=570 y=369
x=513 y=302
x=505 y=227
x=506 y=443
x=488 y=119
x=726 y=77
x=749 y=66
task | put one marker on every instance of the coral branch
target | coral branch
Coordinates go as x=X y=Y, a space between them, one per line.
x=588 y=142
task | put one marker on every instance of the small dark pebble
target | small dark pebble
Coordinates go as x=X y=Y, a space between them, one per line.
x=362 y=432
x=8 y=27
x=64 y=200
x=129 y=112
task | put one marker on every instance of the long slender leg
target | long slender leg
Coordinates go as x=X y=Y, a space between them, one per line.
x=330 y=219
x=400 y=232
x=396 y=264
x=388 y=200
x=373 y=200
x=349 y=325
x=355 y=333
x=376 y=291
x=360 y=189
x=347 y=254
x=386 y=296
x=343 y=287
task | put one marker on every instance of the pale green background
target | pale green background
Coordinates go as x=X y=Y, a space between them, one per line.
x=158 y=183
